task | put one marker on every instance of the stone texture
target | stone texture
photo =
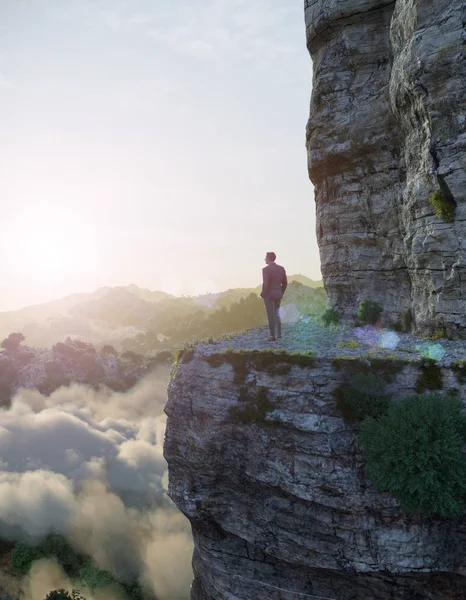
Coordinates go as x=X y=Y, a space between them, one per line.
x=387 y=128
x=282 y=509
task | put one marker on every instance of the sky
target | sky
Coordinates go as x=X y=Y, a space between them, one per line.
x=155 y=143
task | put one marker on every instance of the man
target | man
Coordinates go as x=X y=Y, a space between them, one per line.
x=273 y=287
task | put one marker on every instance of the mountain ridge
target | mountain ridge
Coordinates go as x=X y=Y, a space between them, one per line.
x=115 y=314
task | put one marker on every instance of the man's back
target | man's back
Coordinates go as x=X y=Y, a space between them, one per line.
x=274 y=281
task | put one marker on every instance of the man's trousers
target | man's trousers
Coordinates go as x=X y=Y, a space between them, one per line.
x=272 y=306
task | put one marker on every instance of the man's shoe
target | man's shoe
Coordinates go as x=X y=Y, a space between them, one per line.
x=270 y=339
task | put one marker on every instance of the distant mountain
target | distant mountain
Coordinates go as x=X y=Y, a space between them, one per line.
x=312 y=283
x=145 y=294
x=114 y=315
x=302 y=279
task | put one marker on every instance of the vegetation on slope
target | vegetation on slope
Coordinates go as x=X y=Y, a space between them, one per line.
x=415 y=452
x=78 y=567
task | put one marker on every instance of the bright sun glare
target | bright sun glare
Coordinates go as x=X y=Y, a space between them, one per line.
x=50 y=250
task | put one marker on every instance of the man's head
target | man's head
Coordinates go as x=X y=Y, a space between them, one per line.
x=270 y=257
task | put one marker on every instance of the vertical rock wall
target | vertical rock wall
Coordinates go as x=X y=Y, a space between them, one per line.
x=387 y=129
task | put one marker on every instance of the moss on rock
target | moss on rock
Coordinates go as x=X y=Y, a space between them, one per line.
x=255 y=406
x=268 y=361
x=443 y=206
x=430 y=377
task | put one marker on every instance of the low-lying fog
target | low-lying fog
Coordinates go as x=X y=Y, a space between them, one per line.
x=88 y=465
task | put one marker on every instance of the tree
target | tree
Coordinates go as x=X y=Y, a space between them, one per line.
x=109 y=350
x=8 y=377
x=415 y=452
x=13 y=342
x=132 y=357
x=64 y=595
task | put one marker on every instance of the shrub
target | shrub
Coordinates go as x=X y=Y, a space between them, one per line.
x=369 y=312
x=438 y=334
x=25 y=357
x=164 y=356
x=443 y=207
x=430 y=376
x=8 y=377
x=22 y=556
x=415 y=453
x=91 y=576
x=53 y=546
x=109 y=350
x=363 y=397
x=66 y=350
x=331 y=315
x=64 y=595
x=132 y=357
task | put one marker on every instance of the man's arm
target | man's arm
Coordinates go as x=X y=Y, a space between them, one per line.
x=284 y=282
x=265 y=281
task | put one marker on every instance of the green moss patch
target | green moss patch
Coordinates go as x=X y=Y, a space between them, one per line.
x=384 y=367
x=353 y=344
x=438 y=334
x=273 y=363
x=443 y=206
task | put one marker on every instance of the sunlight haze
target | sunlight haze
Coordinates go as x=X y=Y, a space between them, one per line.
x=155 y=143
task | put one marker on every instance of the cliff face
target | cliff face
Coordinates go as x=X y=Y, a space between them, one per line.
x=278 y=500
x=387 y=131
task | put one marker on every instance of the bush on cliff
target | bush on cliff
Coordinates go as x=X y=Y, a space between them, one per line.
x=415 y=452
x=443 y=206
x=331 y=317
x=369 y=312
x=64 y=595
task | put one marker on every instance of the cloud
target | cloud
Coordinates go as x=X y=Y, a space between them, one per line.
x=34 y=503
x=88 y=464
x=5 y=83
x=210 y=30
x=220 y=30
x=45 y=575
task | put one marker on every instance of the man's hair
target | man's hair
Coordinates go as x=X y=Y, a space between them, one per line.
x=271 y=256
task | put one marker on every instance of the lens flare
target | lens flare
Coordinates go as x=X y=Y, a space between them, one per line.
x=432 y=351
x=289 y=313
x=389 y=340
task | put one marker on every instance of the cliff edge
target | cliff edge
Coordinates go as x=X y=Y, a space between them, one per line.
x=269 y=471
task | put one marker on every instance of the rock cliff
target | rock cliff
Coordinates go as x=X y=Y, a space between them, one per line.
x=271 y=477
x=386 y=143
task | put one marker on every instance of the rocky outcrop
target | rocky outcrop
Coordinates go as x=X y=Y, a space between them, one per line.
x=386 y=134
x=271 y=477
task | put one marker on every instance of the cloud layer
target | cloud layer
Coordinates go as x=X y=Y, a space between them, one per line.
x=89 y=465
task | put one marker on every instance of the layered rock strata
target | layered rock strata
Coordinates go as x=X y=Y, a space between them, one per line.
x=271 y=477
x=387 y=131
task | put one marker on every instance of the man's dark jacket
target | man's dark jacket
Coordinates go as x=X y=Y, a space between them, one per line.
x=274 y=282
